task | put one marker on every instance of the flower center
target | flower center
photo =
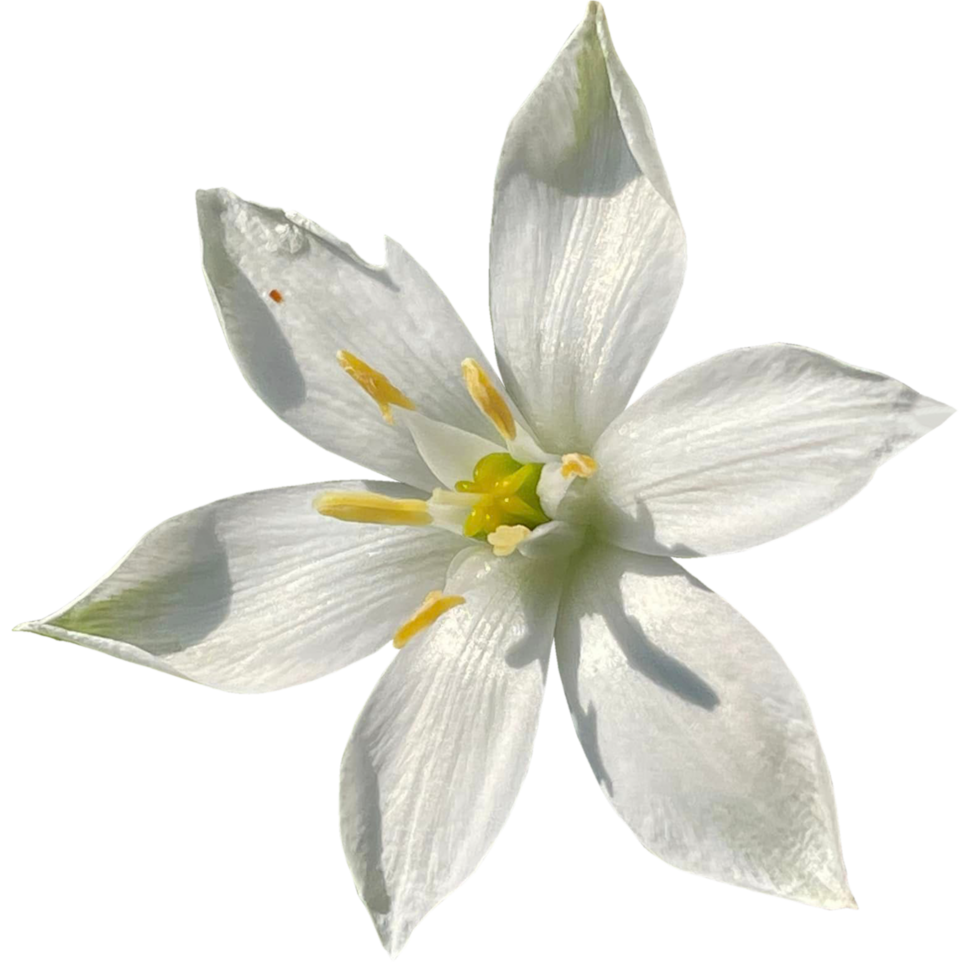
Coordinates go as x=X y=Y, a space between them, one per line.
x=508 y=495
x=501 y=505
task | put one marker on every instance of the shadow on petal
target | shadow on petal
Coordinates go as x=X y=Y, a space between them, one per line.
x=569 y=134
x=258 y=341
x=602 y=600
x=661 y=668
x=636 y=533
x=527 y=648
x=584 y=718
x=367 y=808
x=172 y=610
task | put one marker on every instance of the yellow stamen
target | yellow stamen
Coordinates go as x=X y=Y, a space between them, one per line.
x=488 y=399
x=375 y=384
x=372 y=508
x=578 y=464
x=506 y=538
x=433 y=606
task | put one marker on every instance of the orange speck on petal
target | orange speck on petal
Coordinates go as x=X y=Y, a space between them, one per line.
x=274 y=294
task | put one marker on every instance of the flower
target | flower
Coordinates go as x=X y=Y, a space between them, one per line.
x=536 y=508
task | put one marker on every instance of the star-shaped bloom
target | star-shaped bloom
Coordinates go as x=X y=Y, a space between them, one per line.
x=535 y=509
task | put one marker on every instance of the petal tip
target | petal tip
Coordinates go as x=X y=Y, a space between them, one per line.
x=212 y=202
x=205 y=195
x=931 y=414
x=928 y=413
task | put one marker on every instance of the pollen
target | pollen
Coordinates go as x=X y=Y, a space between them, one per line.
x=372 y=508
x=488 y=399
x=433 y=606
x=275 y=295
x=506 y=538
x=578 y=464
x=375 y=384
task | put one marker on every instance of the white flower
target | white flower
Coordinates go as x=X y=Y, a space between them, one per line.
x=538 y=508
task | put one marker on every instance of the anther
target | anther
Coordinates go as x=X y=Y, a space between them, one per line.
x=372 y=508
x=578 y=464
x=506 y=538
x=375 y=384
x=488 y=399
x=433 y=606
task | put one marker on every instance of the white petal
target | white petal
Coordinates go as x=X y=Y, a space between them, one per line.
x=259 y=592
x=439 y=752
x=587 y=253
x=524 y=447
x=554 y=540
x=450 y=453
x=553 y=487
x=695 y=729
x=393 y=317
x=748 y=446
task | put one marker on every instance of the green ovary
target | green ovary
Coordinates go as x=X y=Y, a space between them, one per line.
x=508 y=495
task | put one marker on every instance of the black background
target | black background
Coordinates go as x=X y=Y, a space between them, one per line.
x=804 y=226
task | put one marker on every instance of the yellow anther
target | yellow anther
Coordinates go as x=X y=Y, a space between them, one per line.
x=578 y=464
x=375 y=384
x=433 y=606
x=506 y=538
x=488 y=399
x=372 y=508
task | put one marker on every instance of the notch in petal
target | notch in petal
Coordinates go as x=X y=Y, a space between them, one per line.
x=330 y=299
